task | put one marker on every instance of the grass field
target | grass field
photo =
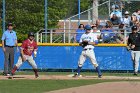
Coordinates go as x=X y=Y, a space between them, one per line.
x=40 y=86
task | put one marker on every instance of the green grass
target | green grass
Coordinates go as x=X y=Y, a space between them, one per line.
x=40 y=86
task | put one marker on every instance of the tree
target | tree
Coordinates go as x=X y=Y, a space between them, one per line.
x=28 y=15
x=57 y=9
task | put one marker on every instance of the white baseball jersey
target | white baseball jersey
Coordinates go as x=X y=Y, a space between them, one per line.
x=90 y=37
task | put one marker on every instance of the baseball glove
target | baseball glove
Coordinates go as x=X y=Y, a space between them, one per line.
x=84 y=43
x=128 y=48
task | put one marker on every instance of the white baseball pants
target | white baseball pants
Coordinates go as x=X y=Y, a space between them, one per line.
x=87 y=53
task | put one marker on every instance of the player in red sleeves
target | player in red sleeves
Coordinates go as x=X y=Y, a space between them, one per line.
x=28 y=47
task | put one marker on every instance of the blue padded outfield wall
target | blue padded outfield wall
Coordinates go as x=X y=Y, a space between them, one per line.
x=66 y=57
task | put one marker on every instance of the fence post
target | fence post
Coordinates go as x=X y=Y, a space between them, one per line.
x=51 y=36
x=89 y=17
x=46 y=20
x=95 y=11
x=69 y=31
x=125 y=36
x=64 y=35
x=3 y=15
x=79 y=12
x=109 y=7
x=37 y=37
x=41 y=38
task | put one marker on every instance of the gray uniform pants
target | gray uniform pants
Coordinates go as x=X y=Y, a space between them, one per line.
x=9 y=59
x=135 y=58
x=29 y=59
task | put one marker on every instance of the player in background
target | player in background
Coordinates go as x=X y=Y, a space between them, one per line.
x=134 y=45
x=28 y=47
x=87 y=41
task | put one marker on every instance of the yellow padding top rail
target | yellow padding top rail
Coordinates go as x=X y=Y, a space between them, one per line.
x=75 y=44
x=72 y=44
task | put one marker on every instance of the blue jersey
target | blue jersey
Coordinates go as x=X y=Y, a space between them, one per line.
x=79 y=33
x=107 y=34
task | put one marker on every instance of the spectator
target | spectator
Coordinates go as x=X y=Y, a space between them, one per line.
x=137 y=14
x=95 y=30
x=134 y=20
x=107 y=35
x=113 y=7
x=100 y=24
x=120 y=36
x=79 y=33
x=109 y=23
x=117 y=12
x=115 y=20
x=138 y=26
x=126 y=20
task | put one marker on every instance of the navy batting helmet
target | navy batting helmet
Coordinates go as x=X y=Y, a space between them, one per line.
x=87 y=27
x=134 y=28
x=31 y=34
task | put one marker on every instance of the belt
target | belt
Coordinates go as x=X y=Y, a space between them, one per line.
x=88 y=49
x=9 y=46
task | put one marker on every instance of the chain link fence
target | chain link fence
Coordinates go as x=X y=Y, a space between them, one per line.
x=68 y=26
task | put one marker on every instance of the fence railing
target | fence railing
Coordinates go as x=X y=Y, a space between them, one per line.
x=59 y=36
x=103 y=10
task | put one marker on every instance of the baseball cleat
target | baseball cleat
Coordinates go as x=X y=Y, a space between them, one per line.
x=5 y=74
x=10 y=77
x=135 y=74
x=100 y=76
x=36 y=76
x=76 y=75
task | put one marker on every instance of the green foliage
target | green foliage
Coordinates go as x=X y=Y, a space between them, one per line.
x=73 y=6
x=85 y=4
x=57 y=9
x=28 y=15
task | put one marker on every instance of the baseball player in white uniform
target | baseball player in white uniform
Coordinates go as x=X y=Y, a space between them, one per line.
x=87 y=41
